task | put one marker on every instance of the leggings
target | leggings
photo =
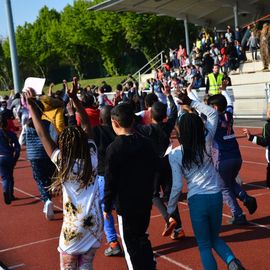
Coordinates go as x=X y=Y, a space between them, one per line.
x=77 y=262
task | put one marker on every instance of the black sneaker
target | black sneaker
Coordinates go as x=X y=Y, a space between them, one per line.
x=13 y=198
x=235 y=264
x=7 y=199
x=251 y=204
x=238 y=220
x=113 y=250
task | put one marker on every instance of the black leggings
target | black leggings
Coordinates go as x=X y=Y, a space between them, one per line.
x=163 y=180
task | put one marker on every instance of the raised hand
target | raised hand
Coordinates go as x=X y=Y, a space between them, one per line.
x=183 y=98
x=166 y=90
x=30 y=95
x=72 y=93
x=224 y=84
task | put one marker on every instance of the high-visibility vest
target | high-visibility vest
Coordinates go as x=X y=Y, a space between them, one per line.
x=214 y=84
x=198 y=43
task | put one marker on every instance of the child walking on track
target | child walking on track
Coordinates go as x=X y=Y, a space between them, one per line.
x=159 y=133
x=75 y=157
x=129 y=185
x=104 y=136
x=192 y=159
x=227 y=158
x=9 y=154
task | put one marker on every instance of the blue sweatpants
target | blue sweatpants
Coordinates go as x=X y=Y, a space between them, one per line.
x=6 y=172
x=231 y=190
x=206 y=217
x=109 y=228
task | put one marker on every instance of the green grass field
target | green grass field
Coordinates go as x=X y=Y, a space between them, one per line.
x=113 y=81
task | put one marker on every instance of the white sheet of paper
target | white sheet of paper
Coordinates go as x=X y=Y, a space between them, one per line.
x=36 y=83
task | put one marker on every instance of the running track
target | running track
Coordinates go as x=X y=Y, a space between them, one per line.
x=28 y=241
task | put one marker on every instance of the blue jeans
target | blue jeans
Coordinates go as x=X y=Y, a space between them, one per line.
x=231 y=190
x=43 y=170
x=6 y=172
x=206 y=217
x=109 y=228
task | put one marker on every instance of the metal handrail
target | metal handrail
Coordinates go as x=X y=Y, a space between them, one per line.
x=158 y=55
x=138 y=73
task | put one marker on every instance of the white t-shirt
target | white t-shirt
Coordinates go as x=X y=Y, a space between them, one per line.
x=83 y=220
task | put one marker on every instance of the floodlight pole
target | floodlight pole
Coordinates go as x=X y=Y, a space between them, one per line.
x=13 y=50
x=186 y=34
x=235 y=12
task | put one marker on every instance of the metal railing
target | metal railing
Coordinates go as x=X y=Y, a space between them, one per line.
x=155 y=63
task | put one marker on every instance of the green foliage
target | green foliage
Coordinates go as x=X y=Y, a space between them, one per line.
x=112 y=81
x=90 y=44
x=5 y=69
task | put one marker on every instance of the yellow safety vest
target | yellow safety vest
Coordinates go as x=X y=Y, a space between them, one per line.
x=198 y=44
x=214 y=84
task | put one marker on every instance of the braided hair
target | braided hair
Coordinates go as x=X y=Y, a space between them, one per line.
x=73 y=145
x=192 y=138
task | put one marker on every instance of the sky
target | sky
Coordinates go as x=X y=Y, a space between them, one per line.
x=26 y=11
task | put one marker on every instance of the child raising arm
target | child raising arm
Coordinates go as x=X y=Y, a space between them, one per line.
x=76 y=160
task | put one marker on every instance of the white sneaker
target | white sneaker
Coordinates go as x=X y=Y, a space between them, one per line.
x=48 y=210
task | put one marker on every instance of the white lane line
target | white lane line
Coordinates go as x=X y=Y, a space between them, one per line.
x=182 y=266
x=240 y=126
x=250 y=222
x=41 y=241
x=261 y=194
x=29 y=244
x=254 y=162
x=16 y=266
x=252 y=147
x=35 y=197
x=182 y=210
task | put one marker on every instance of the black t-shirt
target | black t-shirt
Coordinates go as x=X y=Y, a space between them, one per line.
x=103 y=137
x=129 y=175
x=107 y=88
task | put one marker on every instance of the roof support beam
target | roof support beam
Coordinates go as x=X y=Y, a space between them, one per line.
x=235 y=13
x=186 y=34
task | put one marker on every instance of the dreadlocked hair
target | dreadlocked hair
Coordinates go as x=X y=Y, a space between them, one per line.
x=73 y=144
x=192 y=138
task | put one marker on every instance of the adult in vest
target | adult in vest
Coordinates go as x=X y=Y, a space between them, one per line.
x=214 y=81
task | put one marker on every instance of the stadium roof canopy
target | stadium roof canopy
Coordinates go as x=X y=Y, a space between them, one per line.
x=218 y=13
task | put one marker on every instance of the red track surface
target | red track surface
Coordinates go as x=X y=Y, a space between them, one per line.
x=29 y=241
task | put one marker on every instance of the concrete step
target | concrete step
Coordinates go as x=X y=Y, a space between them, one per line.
x=250 y=78
x=250 y=108
x=249 y=55
x=251 y=66
x=249 y=91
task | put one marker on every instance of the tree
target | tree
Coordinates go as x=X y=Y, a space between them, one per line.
x=152 y=34
x=5 y=68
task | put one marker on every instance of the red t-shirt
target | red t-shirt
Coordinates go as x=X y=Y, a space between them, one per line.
x=93 y=115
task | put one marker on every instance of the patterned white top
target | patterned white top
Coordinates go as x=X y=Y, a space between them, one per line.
x=83 y=220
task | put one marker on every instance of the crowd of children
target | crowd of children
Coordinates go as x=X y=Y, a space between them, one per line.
x=93 y=162
x=227 y=50
x=103 y=154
